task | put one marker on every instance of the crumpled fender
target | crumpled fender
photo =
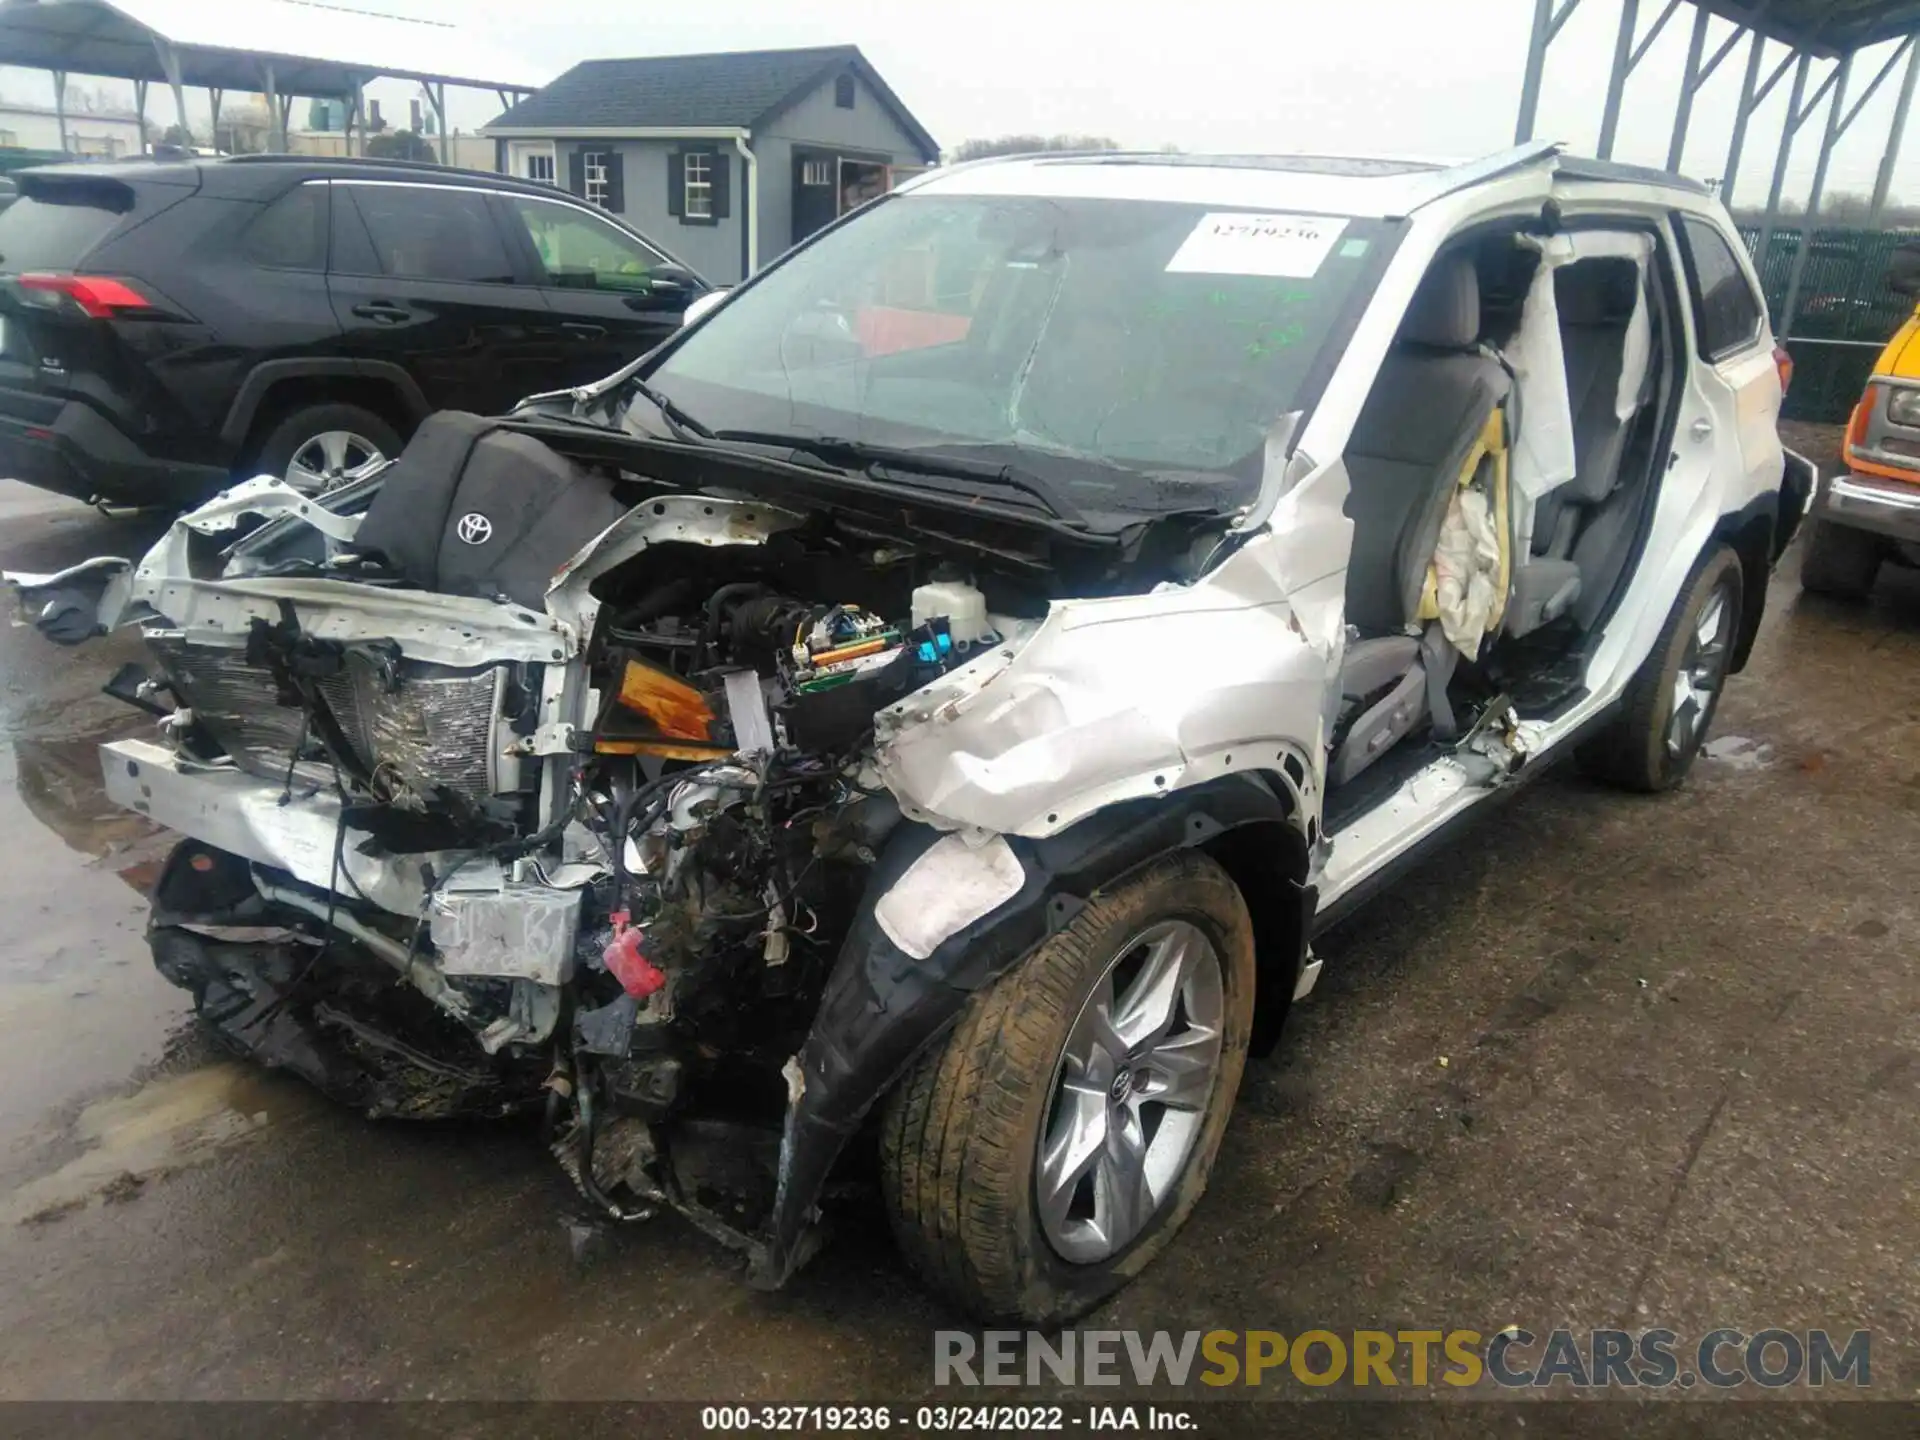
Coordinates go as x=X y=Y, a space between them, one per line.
x=882 y=1007
x=67 y=605
x=1132 y=696
x=99 y=595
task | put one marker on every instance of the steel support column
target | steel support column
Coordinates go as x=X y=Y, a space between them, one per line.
x=1617 y=77
x=1742 y=113
x=437 y=97
x=1837 y=122
x=170 y=67
x=1794 y=115
x=1689 y=82
x=1697 y=74
x=1895 y=135
x=1536 y=67
x=1546 y=24
x=1873 y=85
x=60 y=105
x=140 y=111
x=1653 y=34
x=214 y=96
x=272 y=94
x=1626 y=59
x=1857 y=286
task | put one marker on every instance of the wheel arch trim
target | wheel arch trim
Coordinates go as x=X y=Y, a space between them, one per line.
x=260 y=381
x=1749 y=533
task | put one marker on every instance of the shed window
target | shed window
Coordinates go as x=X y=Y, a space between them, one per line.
x=698 y=180
x=816 y=172
x=595 y=167
x=843 y=92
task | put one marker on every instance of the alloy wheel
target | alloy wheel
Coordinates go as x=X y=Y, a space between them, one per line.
x=1130 y=1092
x=331 y=459
x=1701 y=672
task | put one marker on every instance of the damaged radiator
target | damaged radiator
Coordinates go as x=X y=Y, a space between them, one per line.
x=422 y=729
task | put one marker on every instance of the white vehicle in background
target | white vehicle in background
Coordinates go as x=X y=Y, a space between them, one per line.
x=931 y=703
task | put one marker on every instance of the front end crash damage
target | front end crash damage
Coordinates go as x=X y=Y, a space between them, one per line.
x=693 y=851
x=1118 y=698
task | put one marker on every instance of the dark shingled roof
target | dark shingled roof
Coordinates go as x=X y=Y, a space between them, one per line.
x=737 y=87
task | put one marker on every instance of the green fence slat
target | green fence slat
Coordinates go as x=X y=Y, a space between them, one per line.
x=1843 y=296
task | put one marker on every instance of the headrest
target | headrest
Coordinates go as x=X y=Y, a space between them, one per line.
x=1445 y=312
x=1597 y=292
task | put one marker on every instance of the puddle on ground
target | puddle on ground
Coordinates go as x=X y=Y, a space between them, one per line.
x=58 y=781
x=104 y=1084
x=168 y=1124
x=82 y=1009
x=1737 y=752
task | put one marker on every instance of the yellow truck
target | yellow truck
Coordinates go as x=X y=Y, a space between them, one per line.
x=1869 y=513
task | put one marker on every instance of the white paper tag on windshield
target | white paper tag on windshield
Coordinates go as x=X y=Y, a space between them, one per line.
x=1287 y=245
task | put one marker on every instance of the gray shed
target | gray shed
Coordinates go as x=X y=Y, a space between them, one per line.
x=726 y=159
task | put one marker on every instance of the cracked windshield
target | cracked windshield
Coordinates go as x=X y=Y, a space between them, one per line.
x=1114 y=342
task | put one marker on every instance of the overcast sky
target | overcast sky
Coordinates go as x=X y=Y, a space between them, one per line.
x=1405 y=76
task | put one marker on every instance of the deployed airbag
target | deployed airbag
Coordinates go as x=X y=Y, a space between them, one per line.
x=1467 y=580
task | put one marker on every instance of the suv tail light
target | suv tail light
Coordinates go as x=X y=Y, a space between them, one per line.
x=99 y=296
x=1783 y=362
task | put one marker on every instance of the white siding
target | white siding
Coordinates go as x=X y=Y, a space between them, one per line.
x=103 y=135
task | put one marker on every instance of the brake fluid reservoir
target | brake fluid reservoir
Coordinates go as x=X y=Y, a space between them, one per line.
x=964 y=608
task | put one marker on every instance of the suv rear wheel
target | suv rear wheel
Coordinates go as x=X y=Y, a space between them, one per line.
x=1056 y=1142
x=1667 y=710
x=321 y=447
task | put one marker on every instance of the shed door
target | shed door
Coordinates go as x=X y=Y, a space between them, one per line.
x=814 y=204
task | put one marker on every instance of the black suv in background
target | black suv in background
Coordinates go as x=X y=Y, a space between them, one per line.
x=166 y=327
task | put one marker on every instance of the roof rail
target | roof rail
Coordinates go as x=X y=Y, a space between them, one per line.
x=370 y=162
x=941 y=172
x=1440 y=183
x=1424 y=189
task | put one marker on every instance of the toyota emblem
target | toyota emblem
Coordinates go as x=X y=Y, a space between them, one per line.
x=474 y=528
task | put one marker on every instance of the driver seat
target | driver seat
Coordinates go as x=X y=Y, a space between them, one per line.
x=1427 y=411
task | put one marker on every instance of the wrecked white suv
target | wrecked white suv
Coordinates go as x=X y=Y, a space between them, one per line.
x=924 y=711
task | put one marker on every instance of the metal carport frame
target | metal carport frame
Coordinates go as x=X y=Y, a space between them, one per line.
x=1832 y=31
x=306 y=47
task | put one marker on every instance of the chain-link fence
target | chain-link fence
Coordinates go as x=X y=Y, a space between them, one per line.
x=1845 y=316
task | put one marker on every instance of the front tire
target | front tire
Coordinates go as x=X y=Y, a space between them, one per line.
x=1668 y=708
x=1840 y=561
x=1043 y=1155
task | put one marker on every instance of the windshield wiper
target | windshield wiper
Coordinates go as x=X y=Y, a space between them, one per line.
x=683 y=424
x=880 y=458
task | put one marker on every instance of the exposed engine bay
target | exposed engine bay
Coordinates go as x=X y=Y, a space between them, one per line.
x=513 y=784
